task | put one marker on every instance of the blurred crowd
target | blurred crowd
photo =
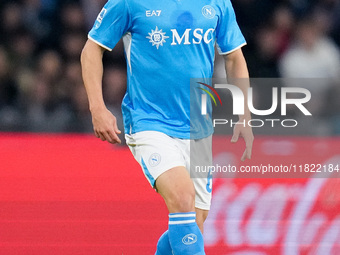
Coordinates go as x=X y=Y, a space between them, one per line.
x=41 y=88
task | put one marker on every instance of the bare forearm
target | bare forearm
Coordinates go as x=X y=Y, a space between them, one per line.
x=92 y=71
x=104 y=122
x=237 y=73
x=236 y=66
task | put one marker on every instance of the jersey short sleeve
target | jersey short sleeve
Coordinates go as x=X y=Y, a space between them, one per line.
x=111 y=24
x=228 y=34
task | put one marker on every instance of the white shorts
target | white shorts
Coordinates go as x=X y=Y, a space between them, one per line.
x=157 y=152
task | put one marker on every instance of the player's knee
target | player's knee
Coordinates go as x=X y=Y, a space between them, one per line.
x=200 y=222
x=182 y=201
x=201 y=216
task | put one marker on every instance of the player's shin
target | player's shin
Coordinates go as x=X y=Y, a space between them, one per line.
x=184 y=235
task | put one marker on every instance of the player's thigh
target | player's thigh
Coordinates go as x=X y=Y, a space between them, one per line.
x=200 y=163
x=155 y=152
x=177 y=189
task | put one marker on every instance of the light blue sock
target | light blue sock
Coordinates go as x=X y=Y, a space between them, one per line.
x=163 y=245
x=184 y=235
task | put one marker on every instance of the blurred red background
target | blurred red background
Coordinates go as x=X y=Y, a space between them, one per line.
x=73 y=194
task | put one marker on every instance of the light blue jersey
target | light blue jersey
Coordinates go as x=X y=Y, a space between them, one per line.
x=166 y=43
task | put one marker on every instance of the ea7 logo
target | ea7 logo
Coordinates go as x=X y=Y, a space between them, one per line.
x=150 y=13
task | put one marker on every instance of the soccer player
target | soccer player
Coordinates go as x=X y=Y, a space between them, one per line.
x=166 y=43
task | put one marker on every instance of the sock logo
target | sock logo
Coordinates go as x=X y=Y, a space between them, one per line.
x=189 y=239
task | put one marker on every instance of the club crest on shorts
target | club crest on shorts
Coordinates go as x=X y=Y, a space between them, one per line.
x=154 y=159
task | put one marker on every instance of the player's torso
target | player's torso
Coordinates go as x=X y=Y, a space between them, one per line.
x=170 y=41
x=173 y=24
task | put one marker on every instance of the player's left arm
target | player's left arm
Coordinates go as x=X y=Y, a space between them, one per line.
x=237 y=73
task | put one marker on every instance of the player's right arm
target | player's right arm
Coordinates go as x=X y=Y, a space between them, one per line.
x=104 y=122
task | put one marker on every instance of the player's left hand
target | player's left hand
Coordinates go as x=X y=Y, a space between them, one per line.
x=247 y=133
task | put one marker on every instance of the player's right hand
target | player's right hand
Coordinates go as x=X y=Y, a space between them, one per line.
x=105 y=125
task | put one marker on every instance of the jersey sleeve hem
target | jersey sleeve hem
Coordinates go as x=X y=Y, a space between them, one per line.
x=100 y=44
x=230 y=51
